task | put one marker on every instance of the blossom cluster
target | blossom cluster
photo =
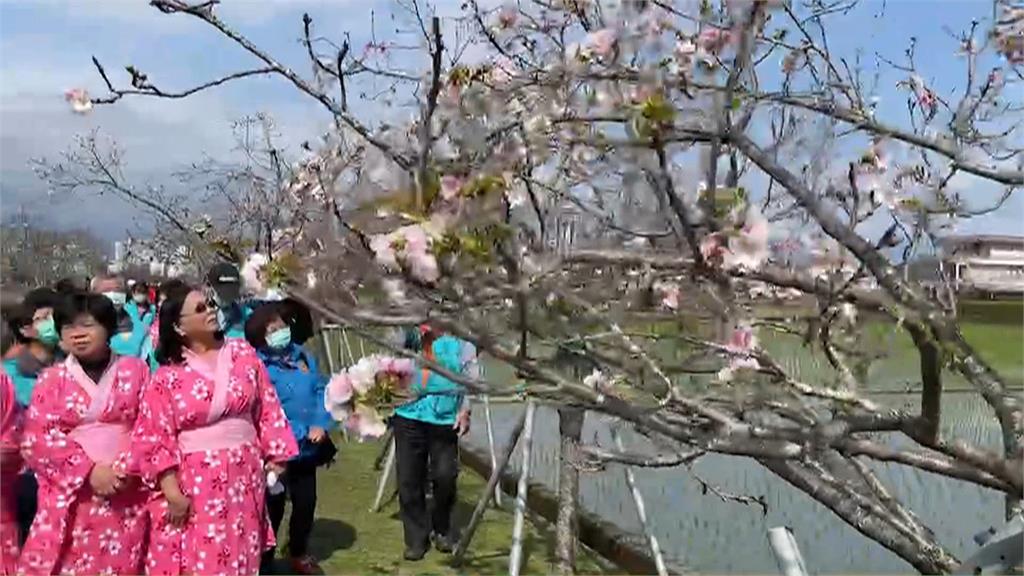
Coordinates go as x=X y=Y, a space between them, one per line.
x=740 y=348
x=744 y=244
x=408 y=245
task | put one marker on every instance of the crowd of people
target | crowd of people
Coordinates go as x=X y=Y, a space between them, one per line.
x=162 y=429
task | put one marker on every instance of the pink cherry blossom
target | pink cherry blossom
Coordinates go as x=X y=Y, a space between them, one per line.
x=713 y=40
x=79 y=100
x=384 y=251
x=416 y=239
x=600 y=43
x=749 y=248
x=450 y=186
x=684 y=52
x=669 y=293
x=742 y=343
x=742 y=339
x=640 y=93
x=926 y=98
x=502 y=71
x=507 y=17
x=791 y=61
x=423 y=266
x=713 y=247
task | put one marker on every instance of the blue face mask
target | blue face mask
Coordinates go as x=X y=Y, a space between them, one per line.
x=280 y=338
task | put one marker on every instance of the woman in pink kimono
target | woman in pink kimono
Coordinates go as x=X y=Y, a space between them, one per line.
x=92 y=508
x=10 y=467
x=211 y=430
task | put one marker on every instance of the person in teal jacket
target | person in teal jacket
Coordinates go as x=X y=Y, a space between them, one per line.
x=133 y=324
x=225 y=282
x=33 y=327
x=427 y=432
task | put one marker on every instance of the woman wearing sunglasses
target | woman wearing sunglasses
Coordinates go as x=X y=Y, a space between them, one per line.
x=92 y=507
x=210 y=429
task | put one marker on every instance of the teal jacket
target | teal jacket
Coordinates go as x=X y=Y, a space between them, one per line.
x=441 y=398
x=23 y=383
x=232 y=317
x=133 y=343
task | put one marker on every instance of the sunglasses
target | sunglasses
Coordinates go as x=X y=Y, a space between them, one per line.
x=202 y=308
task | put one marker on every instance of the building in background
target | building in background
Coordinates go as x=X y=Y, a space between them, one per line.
x=145 y=259
x=984 y=263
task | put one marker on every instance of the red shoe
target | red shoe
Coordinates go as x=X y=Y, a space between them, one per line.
x=306 y=565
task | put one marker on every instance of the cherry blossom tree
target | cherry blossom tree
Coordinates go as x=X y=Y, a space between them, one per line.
x=682 y=137
x=213 y=208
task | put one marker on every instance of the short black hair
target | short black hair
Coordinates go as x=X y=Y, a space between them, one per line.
x=171 y=345
x=68 y=285
x=86 y=303
x=7 y=338
x=21 y=315
x=40 y=298
x=16 y=318
x=261 y=317
x=168 y=287
x=299 y=318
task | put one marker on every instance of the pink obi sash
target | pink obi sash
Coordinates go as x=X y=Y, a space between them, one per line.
x=223 y=434
x=102 y=442
x=222 y=431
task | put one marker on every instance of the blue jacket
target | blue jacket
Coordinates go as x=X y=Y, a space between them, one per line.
x=301 y=392
x=133 y=343
x=441 y=398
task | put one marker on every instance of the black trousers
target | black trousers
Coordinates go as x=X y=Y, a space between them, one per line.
x=299 y=487
x=425 y=452
x=28 y=501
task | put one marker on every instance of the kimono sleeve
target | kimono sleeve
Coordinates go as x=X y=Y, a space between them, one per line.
x=154 y=445
x=276 y=441
x=46 y=446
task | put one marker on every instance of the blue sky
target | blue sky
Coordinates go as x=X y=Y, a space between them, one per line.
x=46 y=48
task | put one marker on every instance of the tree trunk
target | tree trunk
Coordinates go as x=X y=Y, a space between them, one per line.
x=903 y=536
x=570 y=428
x=931 y=384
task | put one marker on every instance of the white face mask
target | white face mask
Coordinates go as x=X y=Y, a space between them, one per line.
x=118 y=298
x=140 y=298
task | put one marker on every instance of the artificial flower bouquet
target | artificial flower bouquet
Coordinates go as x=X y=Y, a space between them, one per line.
x=363 y=396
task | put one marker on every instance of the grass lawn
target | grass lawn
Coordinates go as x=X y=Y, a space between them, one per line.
x=349 y=539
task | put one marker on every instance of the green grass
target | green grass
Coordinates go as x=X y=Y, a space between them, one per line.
x=349 y=539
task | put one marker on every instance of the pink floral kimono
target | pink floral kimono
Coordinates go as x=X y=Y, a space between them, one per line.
x=72 y=424
x=218 y=426
x=10 y=439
